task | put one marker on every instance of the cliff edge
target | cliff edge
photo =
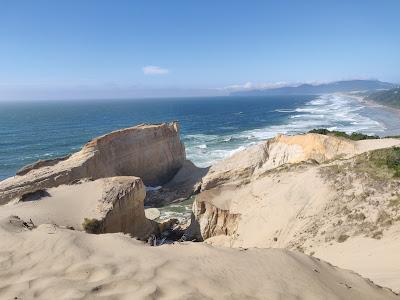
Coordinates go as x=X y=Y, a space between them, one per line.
x=152 y=152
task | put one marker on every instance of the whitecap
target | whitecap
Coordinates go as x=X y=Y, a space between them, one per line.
x=334 y=112
x=283 y=110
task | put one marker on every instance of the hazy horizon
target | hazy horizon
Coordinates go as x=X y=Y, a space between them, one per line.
x=99 y=50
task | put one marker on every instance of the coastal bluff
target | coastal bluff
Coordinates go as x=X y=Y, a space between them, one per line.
x=234 y=187
x=152 y=152
x=272 y=195
x=330 y=197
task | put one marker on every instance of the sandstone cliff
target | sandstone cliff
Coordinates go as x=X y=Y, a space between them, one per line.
x=312 y=193
x=284 y=170
x=276 y=152
x=308 y=193
x=113 y=204
x=151 y=152
x=227 y=176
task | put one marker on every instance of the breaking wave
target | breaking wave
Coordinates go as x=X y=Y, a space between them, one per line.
x=332 y=111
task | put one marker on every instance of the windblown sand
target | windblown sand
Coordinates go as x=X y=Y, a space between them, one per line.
x=64 y=205
x=285 y=209
x=53 y=263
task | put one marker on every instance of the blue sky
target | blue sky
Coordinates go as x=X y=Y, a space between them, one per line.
x=74 y=48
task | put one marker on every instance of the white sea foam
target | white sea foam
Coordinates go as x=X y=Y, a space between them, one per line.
x=284 y=110
x=331 y=111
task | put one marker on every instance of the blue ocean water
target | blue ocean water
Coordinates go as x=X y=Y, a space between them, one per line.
x=211 y=128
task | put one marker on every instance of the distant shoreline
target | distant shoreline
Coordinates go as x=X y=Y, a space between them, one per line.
x=372 y=103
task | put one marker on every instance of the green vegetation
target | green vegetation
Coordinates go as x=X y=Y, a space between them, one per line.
x=388 y=97
x=392 y=137
x=381 y=162
x=381 y=165
x=92 y=226
x=355 y=136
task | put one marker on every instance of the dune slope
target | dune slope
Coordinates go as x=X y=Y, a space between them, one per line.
x=53 y=263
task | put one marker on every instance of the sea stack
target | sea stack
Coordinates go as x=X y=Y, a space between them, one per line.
x=152 y=152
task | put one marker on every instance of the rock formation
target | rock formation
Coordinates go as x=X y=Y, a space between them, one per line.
x=227 y=176
x=306 y=193
x=276 y=152
x=185 y=183
x=248 y=179
x=113 y=204
x=209 y=219
x=152 y=152
x=311 y=193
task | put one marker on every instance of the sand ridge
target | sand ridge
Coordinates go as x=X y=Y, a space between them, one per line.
x=53 y=263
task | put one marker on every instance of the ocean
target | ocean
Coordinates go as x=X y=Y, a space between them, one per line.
x=211 y=128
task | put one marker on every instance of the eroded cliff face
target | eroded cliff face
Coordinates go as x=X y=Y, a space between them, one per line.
x=276 y=195
x=273 y=153
x=121 y=208
x=151 y=152
x=216 y=210
x=106 y=205
x=210 y=219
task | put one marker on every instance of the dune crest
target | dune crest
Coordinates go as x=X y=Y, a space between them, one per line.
x=49 y=262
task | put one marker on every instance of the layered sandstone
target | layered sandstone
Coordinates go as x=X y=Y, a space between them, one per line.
x=306 y=193
x=151 y=152
x=113 y=204
x=276 y=152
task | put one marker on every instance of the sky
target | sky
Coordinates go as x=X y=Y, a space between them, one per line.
x=104 y=49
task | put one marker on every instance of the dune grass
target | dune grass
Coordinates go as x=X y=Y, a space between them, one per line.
x=92 y=226
x=355 y=136
x=381 y=162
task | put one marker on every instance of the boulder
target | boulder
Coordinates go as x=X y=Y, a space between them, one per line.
x=152 y=213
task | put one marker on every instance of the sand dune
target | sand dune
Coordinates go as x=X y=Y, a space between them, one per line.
x=337 y=209
x=53 y=263
x=291 y=192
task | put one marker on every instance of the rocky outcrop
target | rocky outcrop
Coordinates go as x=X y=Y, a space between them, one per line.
x=244 y=188
x=332 y=198
x=213 y=209
x=40 y=164
x=184 y=184
x=273 y=153
x=209 y=219
x=106 y=205
x=121 y=208
x=151 y=152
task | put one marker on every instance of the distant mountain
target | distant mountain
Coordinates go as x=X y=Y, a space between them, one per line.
x=389 y=97
x=309 y=89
